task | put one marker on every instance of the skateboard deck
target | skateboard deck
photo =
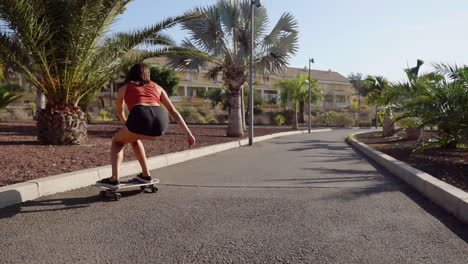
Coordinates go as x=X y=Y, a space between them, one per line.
x=131 y=183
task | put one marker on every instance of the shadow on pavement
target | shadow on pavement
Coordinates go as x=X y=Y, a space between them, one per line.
x=315 y=144
x=59 y=204
x=450 y=221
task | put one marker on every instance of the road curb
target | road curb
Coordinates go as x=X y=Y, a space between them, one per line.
x=450 y=198
x=33 y=189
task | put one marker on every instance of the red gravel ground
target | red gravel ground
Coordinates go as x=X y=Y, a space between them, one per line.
x=449 y=165
x=22 y=158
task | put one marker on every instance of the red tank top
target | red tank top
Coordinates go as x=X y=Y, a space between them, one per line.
x=147 y=93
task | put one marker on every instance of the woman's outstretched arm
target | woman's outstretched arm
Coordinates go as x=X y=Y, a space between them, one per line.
x=177 y=117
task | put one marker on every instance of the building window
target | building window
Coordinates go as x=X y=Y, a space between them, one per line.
x=195 y=76
x=341 y=99
x=187 y=76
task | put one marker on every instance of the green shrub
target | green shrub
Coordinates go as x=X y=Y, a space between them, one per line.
x=365 y=123
x=280 y=120
x=344 y=120
x=192 y=115
x=410 y=122
x=208 y=115
x=335 y=119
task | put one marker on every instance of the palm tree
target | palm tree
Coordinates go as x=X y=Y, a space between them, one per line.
x=377 y=86
x=293 y=91
x=62 y=48
x=359 y=86
x=223 y=33
x=440 y=101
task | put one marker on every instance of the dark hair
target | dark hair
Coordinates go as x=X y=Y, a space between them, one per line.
x=139 y=73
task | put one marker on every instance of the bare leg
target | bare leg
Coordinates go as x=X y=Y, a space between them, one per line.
x=124 y=136
x=116 y=158
x=139 y=151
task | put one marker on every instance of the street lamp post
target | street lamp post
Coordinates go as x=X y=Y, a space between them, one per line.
x=256 y=3
x=311 y=60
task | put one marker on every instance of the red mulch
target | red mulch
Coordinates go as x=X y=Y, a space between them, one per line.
x=22 y=158
x=449 y=164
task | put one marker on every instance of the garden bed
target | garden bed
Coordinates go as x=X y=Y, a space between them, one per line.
x=449 y=165
x=22 y=158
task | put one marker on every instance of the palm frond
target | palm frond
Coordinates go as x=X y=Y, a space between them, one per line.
x=7 y=98
x=212 y=73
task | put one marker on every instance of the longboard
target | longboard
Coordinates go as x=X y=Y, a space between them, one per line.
x=112 y=193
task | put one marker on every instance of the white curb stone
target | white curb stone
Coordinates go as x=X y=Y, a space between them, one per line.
x=17 y=193
x=66 y=181
x=30 y=190
x=450 y=198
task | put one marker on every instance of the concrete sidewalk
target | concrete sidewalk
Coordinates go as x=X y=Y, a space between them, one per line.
x=297 y=199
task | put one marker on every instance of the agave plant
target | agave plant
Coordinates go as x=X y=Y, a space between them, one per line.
x=65 y=50
x=223 y=33
x=297 y=89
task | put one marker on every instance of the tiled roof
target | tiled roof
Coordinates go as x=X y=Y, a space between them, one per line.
x=290 y=72
x=319 y=75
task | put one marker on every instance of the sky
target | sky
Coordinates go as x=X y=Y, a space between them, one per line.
x=378 y=37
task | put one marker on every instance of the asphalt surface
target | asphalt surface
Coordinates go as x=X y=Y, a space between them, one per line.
x=297 y=199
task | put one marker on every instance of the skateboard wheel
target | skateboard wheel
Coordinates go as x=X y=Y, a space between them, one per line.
x=154 y=189
x=117 y=196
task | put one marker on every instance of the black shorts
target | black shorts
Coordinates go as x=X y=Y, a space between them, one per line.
x=147 y=120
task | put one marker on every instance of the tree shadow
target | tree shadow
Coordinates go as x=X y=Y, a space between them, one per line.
x=315 y=144
x=59 y=204
x=19 y=130
x=397 y=185
x=308 y=141
x=21 y=142
x=331 y=179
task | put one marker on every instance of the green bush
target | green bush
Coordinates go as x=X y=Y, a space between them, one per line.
x=344 y=120
x=365 y=123
x=335 y=119
x=193 y=115
x=208 y=115
x=280 y=120
x=410 y=122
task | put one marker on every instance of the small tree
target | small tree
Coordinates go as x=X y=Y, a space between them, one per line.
x=295 y=90
x=360 y=88
x=377 y=86
x=166 y=78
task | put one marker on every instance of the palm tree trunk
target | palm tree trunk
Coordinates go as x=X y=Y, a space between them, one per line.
x=295 y=121
x=244 y=126
x=388 y=124
x=235 y=116
x=40 y=102
x=358 y=119
x=61 y=125
x=301 y=111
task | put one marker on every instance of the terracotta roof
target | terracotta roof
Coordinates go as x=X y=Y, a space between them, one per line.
x=161 y=61
x=289 y=73
x=319 y=75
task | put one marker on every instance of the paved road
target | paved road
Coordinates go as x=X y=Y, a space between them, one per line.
x=298 y=199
